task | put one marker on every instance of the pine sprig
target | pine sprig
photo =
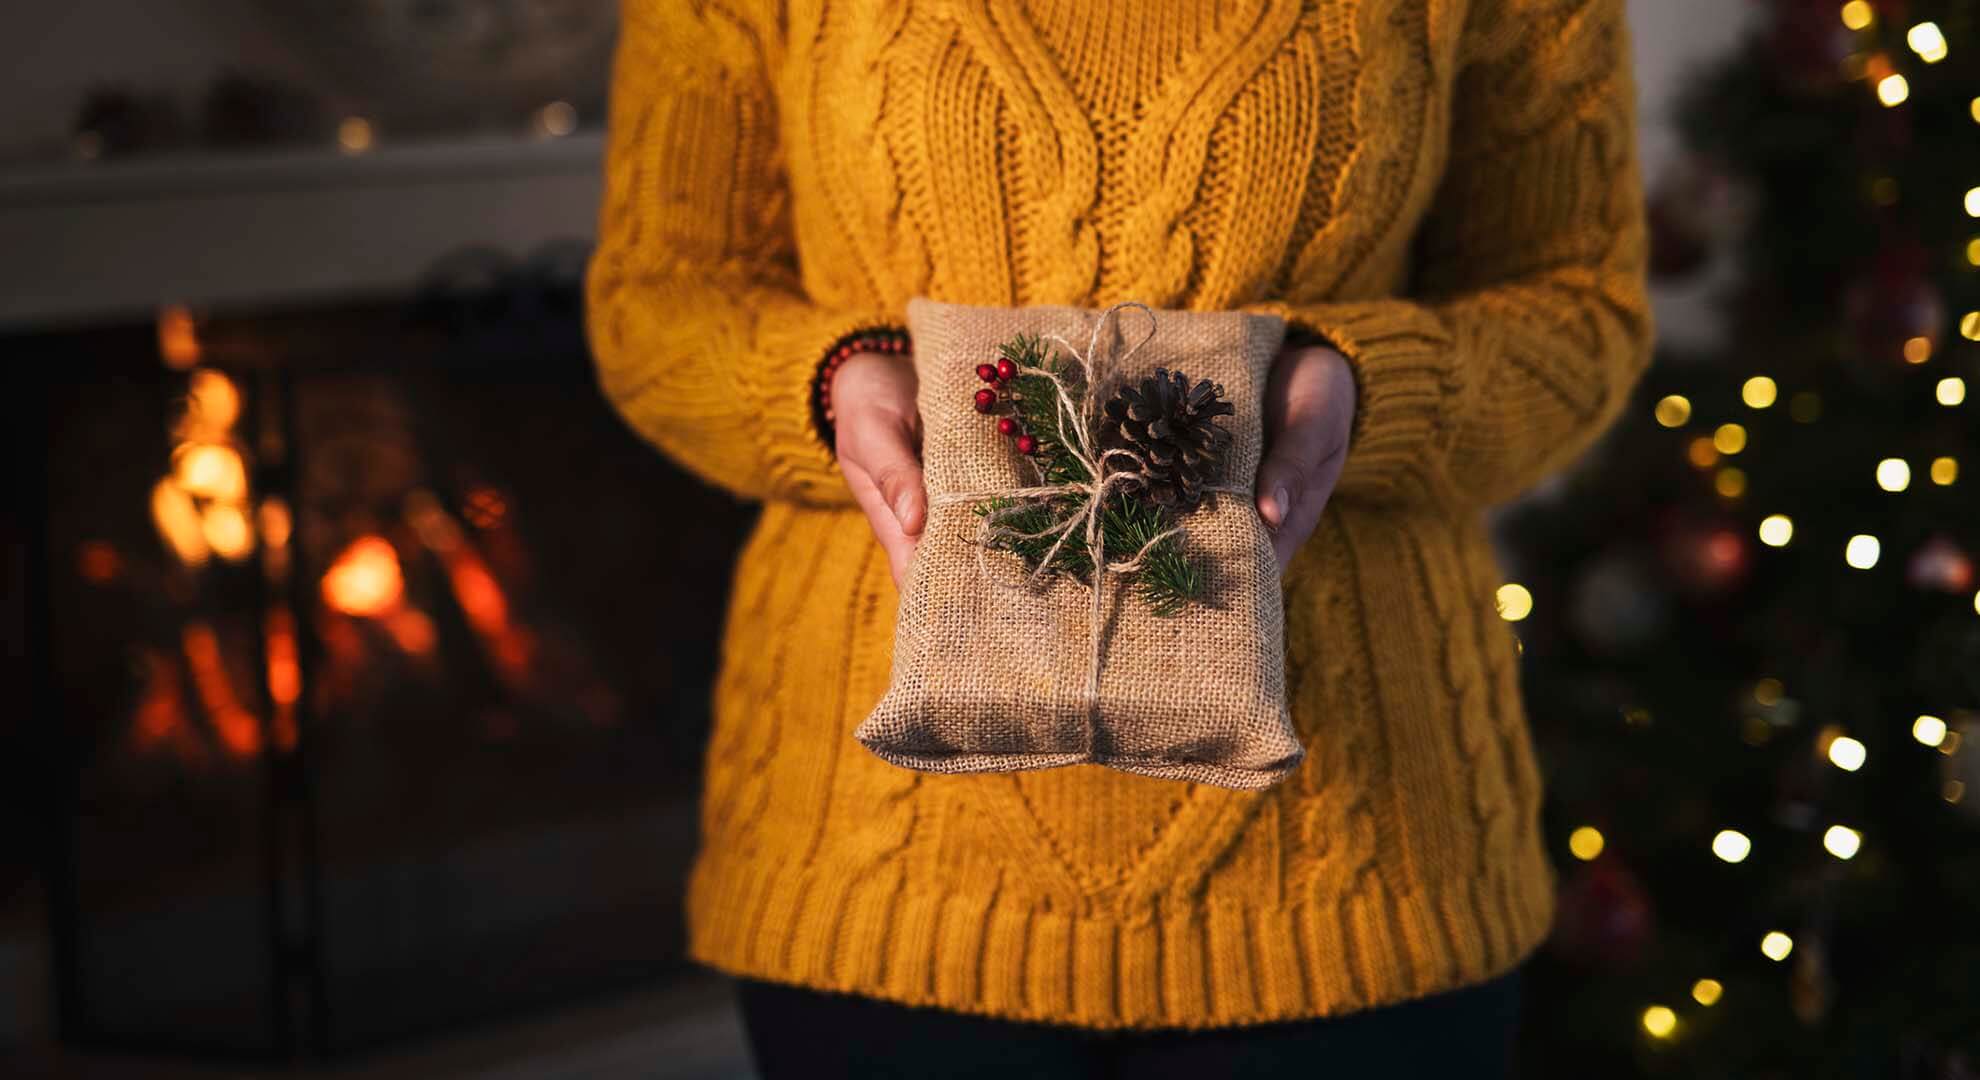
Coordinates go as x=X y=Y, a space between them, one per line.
x=1166 y=579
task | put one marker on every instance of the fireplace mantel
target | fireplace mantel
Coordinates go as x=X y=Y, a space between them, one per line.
x=87 y=241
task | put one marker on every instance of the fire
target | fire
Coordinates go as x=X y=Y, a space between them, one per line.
x=227 y=531
x=178 y=521
x=238 y=729
x=211 y=470
x=215 y=402
x=365 y=579
x=178 y=338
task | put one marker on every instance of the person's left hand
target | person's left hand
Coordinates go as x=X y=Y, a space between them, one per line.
x=1309 y=414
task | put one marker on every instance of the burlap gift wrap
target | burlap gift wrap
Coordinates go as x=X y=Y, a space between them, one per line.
x=992 y=666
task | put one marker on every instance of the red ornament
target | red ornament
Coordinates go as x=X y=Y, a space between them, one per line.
x=1027 y=445
x=986 y=399
x=986 y=372
x=1007 y=426
x=1006 y=370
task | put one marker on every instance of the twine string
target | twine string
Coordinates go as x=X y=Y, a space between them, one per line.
x=1075 y=418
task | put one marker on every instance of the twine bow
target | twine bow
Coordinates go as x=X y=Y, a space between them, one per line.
x=1075 y=423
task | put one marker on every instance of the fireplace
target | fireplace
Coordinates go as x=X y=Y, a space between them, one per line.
x=370 y=658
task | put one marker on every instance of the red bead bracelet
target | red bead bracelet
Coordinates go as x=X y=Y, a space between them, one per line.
x=892 y=340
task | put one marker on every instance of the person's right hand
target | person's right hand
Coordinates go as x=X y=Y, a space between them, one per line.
x=877 y=432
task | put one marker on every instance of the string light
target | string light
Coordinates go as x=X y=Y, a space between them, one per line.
x=1892 y=89
x=1917 y=350
x=1926 y=40
x=1730 y=483
x=1945 y=470
x=1769 y=692
x=1729 y=439
x=1951 y=391
x=1776 y=946
x=1969 y=326
x=1954 y=791
x=1759 y=391
x=1847 y=754
x=1973 y=251
x=1842 y=841
x=1857 y=14
x=1674 y=409
x=1929 y=730
x=1893 y=474
x=1731 y=846
x=1514 y=602
x=1973 y=202
x=354 y=134
x=1707 y=992
x=1776 y=530
x=1660 y=1021
x=1701 y=453
x=1862 y=551
x=1586 y=842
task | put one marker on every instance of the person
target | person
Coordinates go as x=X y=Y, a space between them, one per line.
x=1442 y=199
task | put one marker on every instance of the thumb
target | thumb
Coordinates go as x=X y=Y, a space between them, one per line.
x=896 y=471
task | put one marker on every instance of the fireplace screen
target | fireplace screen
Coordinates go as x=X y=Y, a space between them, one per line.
x=378 y=655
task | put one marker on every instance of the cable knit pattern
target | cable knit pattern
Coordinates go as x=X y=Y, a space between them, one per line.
x=1445 y=189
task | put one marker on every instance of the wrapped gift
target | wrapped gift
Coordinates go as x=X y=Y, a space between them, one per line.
x=1094 y=583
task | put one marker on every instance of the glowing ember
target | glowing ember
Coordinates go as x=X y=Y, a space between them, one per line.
x=365 y=579
x=178 y=521
x=178 y=341
x=211 y=470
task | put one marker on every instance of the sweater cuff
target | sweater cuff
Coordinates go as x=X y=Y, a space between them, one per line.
x=783 y=393
x=1403 y=359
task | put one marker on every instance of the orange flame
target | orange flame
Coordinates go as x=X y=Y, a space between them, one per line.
x=365 y=579
x=238 y=729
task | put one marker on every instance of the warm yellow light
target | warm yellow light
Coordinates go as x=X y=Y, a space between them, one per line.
x=1842 y=841
x=1847 y=754
x=1973 y=202
x=354 y=134
x=1660 y=1021
x=1954 y=791
x=1731 y=845
x=1862 y=551
x=177 y=518
x=1775 y=945
x=1893 y=474
x=178 y=337
x=1758 y=392
x=1515 y=603
x=1929 y=730
x=1586 y=842
x=1769 y=692
x=215 y=402
x=1945 y=471
x=227 y=531
x=1917 y=350
x=1973 y=251
x=1951 y=391
x=1892 y=89
x=1700 y=452
x=1730 y=482
x=1969 y=326
x=1776 y=530
x=1926 y=40
x=1729 y=439
x=1973 y=109
x=1707 y=992
x=365 y=579
x=1857 y=14
x=211 y=470
x=1673 y=410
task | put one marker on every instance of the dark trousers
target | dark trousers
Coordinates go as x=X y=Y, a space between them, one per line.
x=795 y=1032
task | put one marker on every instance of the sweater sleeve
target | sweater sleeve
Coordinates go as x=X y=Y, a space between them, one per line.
x=1529 y=322
x=703 y=338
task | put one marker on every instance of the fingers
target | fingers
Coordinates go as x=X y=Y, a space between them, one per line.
x=878 y=456
x=1309 y=410
x=898 y=545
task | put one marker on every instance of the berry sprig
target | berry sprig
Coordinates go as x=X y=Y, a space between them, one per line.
x=1021 y=393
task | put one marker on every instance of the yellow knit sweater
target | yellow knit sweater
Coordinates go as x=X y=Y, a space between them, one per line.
x=1446 y=189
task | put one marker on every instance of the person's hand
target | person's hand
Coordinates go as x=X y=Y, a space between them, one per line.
x=877 y=432
x=1309 y=413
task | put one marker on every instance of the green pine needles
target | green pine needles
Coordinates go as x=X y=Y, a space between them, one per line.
x=1167 y=580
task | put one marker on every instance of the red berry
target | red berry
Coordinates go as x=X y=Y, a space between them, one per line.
x=1007 y=426
x=986 y=372
x=986 y=399
x=1027 y=445
x=1006 y=369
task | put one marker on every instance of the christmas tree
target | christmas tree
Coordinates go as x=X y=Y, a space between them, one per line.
x=1750 y=631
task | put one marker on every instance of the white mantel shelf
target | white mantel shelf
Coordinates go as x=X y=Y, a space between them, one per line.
x=93 y=241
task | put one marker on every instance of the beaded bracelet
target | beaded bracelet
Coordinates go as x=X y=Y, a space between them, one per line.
x=889 y=339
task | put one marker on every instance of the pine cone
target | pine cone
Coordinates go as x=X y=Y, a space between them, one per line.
x=1171 y=427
